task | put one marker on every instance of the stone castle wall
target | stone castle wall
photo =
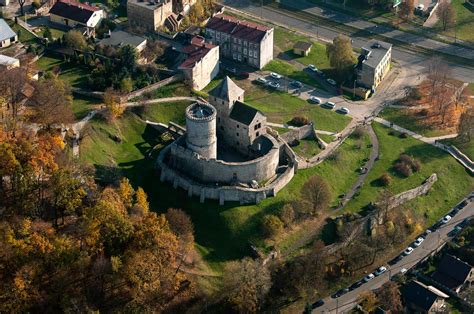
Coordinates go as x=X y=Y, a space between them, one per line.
x=306 y=131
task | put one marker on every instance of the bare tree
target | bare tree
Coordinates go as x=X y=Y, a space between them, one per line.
x=407 y=9
x=316 y=192
x=14 y=90
x=22 y=3
x=466 y=125
x=446 y=14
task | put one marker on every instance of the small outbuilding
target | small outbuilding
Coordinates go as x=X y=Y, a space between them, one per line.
x=8 y=62
x=302 y=48
x=119 y=39
x=7 y=35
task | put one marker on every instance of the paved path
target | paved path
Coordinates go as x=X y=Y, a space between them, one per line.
x=432 y=243
x=374 y=154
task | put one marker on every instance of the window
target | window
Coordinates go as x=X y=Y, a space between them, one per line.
x=222 y=102
x=245 y=51
x=215 y=99
x=222 y=128
x=255 y=53
x=258 y=134
x=238 y=126
x=237 y=134
x=239 y=58
x=235 y=40
x=218 y=119
x=240 y=41
x=245 y=43
x=237 y=143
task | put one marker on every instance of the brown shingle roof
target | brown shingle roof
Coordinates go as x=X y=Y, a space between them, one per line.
x=241 y=29
x=303 y=45
x=195 y=53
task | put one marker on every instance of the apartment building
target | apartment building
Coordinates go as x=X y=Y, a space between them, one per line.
x=373 y=63
x=149 y=15
x=241 y=41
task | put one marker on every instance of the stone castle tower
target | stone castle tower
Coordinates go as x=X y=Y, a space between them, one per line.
x=201 y=134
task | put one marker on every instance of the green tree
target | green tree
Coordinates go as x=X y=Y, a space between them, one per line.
x=340 y=55
x=67 y=194
x=74 y=39
x=126 y=85
x=47 y=33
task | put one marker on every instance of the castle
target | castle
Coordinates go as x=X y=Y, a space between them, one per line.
x=227 y=153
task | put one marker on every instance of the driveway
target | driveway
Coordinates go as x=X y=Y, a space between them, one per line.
x=432 y=242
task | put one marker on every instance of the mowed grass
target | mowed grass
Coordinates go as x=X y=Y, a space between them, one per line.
x=289 y=70
x=467 y=147
x=223 y=233
x=464 y=22
x=165 y=112
x=23 y=35
x=307 y=148
x=73 y=74
x=82 y=105
x=453 y=180
x=408 y=120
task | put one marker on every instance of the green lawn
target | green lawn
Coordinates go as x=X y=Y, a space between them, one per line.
x=222 y=232
x=453 y=180
x=307 y=148
x=73 y=74
x=471 y=88
x=289 y=70
x=327 y=138
x=165 y=112
x=82 y=105
x=281 y=107
x=464 y=146
x=171 y=90
x=409 y=121
x=23 y=35
x=464 y=22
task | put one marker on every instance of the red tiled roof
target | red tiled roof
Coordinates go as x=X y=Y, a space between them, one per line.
x=195 y=53
x=241 y=29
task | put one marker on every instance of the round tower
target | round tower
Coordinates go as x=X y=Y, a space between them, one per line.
x=201 y=129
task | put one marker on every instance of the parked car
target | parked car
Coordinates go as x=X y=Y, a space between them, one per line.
x=314 y=100
x=454 y=212
x=232 y=70
x=340 y=293
x=296 y=84
x=418 y=241
x=313 y=68
x=317 y=304
x=403 y=270
x=343 y=110
x=408 y=251
x=455 y=231
x=331 y=82
x=275 y=75
x=329 y=105
x=261 y=80
x=446 y=219
x=274 y=85
x=321 y=73
x=380 y=270
x=369 y=277
x=395 y=260
x=462 y=204
x=244 y=75
x=356 y=285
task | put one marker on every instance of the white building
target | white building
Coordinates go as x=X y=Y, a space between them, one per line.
x=374 y=63
x=7 y=35
x=9 y=62
x=201 y=64
x=76 y=14
x=241 y=41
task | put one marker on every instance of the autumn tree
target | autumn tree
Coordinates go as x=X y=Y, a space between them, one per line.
x=246 y=284
x=13 y=85
x=407 y=9
x=141 y=202
x=368 y=301
x=112 y=101
x=272 y=226
x=466 y=125
x=317 y=194
x=388 y=297
x=126 y=192
x=75 y=40
x=52 y=102
x=340 y=55
x=446 y=14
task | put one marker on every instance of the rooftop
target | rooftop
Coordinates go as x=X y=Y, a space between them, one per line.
x=303 y=45
x=373 y=52
x=73 y=10
x=243 y=113
x=226 y=90
x=121 y=38
x=5 y=30
x=452 y=272
x=149 y=4
x=421 y=295
x=7 y=61
x=196 y=51
x=200 y=111
x=241 y=29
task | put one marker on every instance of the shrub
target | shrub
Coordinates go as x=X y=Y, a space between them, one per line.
x=403 y=169
x=36 y=4
x=393 y=133
x=272 y=225
x=358 y=133
x=299 y=121
x=385 y=179
x=287 y=214
x=403 y=135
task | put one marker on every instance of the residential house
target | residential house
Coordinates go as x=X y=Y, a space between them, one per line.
x=241 y=41
x=119 y=39
x=8 y=62
x=454 y=273
x=238 y=124
x=373 y=63
x=149 y=15
x=420 y=298
x=4 y=2
x=75 y=14
x=7 y=35
x=302 y=48
x=201 y=64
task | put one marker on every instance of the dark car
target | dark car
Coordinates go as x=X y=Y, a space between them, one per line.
x=356 y=285
x=244 y=75
x=317 y=304
x=454 y=212
x=340 y=293
x=462 y=204
x=395 y=260
x=296 y=84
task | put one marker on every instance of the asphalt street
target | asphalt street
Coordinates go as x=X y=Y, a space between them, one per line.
x=432 y=242
x=414 y=61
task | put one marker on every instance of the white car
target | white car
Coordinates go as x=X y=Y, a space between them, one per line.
x=329 y=105
x=420 y=7
x=313 y=68
x=380 y=270
x=369 y=277
x=418 y=242
x=275 y=75
x=408 y=251
x=314 y=100
x=446 y=219
x=343 y=110
x=261 y=80
x=331 y=82
x=274 y=85
x=403 y=270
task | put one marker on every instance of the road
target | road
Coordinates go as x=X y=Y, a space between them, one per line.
x=432 y=242
x=416 y=62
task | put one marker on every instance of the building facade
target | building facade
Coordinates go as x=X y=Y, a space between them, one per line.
x=7 y=35
x=241 y=41
x=201 y=64
x=373 y=63
x=149 y=15
x=75 y=14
